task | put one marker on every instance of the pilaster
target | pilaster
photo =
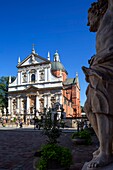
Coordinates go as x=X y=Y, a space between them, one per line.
x=9 y=105
x=48 y=74
x=37 y=75
x=28 y=103
x=19 y=77
x=49 y=100
x=45 y=100
x=28 y=76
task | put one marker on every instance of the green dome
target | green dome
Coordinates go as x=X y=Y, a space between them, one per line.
x=56 y=65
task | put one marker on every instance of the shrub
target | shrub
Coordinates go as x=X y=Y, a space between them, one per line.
x=51 y=152
x=84 y=134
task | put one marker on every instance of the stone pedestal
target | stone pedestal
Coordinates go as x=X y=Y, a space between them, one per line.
x=108 y=167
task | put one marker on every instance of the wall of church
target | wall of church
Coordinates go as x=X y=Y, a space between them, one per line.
x=29 y=103
x=60 y=73
x=71 y=101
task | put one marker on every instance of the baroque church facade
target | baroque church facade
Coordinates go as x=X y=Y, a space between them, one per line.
x=40 y=84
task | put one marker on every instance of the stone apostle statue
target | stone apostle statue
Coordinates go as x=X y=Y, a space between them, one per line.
x=99 y=75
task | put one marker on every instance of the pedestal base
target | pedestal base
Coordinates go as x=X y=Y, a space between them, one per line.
x=108 y=167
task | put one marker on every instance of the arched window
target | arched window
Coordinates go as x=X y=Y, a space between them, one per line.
x=33 y=78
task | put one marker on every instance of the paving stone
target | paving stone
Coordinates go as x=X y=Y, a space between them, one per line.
x=17 y=148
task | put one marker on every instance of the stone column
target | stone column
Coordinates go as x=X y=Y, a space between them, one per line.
x=18 y=102
x=20 y=105
x=37 y=75
x=56 y=98
x=49 y=101
x=37 y=104
x=21 y=109
x=28 y=104
x=9 y=105
x=45 y=101
x=27 y=76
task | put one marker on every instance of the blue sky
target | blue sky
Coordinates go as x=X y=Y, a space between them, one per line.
x=51 y=25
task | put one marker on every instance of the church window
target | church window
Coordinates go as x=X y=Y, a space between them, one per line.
x=33 y=78
x=32 y=75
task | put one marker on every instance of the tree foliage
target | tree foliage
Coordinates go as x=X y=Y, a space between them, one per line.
x=4 y=91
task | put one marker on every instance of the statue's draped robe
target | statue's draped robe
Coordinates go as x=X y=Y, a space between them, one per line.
x=100 y=77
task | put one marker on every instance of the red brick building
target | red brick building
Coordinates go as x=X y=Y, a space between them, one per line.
x=71 y=89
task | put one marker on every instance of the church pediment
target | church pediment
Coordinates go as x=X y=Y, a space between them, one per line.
x=33 y=59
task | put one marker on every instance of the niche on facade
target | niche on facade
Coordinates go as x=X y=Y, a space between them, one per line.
x=41 y=105
x=42 y=75
x=32 y=103
x=24 y=105
x=24 y=77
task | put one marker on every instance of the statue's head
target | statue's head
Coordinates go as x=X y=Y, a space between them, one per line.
x=95 y=14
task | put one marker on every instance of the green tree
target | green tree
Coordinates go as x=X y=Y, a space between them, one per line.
x=82 y=108
x=4 y=91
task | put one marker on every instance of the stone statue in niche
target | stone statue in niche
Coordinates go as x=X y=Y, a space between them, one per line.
x=99 y=75
x=33 y=59
x=24 y=77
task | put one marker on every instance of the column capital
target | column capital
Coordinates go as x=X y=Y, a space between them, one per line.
x=9 y=97
x=37 y=93
x=46 y=94
x=18 y=96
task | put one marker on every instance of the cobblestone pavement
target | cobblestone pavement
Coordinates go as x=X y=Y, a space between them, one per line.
x=17 y=148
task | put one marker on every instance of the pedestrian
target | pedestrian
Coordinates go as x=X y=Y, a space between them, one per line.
x=21 y=124
x=16 y=123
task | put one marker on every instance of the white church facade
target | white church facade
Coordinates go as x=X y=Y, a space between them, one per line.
x=39 y=84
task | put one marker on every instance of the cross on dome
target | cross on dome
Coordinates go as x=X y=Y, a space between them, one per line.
x=33 y=49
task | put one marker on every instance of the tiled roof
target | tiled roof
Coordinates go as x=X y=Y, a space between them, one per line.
x=69 y=81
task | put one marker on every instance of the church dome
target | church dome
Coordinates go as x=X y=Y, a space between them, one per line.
x=57 y=66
